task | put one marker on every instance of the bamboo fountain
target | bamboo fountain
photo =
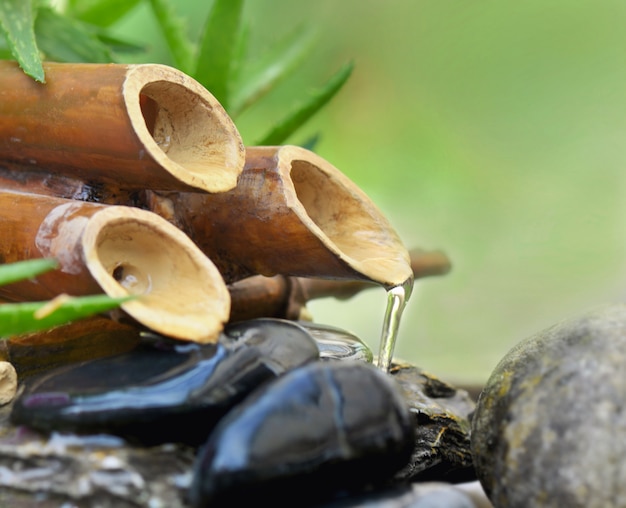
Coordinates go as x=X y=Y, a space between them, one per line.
x=136 y=179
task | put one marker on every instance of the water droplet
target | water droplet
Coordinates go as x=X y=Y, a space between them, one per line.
x=397 y=297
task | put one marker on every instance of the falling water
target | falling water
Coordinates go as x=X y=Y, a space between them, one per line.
x=397 y=297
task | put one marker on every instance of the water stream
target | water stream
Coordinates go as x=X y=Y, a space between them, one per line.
x=397 y=298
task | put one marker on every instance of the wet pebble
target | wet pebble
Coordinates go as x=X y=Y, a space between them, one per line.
x=322 y=428
x=550 y=427
x=336 y=343
x=162 y=391
x=284 y=342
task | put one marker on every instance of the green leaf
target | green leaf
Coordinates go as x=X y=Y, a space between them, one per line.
x=19 y=318
x=117 y=45
x=100 y=12
x=17 y=25
x=67 y=40
x=267 y=72
x=241 y=52
x=175 y=33
x=307 y=109
x=311 y=142
x=14 y=272
x=218 y=46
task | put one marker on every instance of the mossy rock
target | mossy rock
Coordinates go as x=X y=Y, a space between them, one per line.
x=550 y=425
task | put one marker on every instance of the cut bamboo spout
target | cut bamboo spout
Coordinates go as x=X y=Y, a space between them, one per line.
x=133 y=126
x=292 y=213
x=120 y=251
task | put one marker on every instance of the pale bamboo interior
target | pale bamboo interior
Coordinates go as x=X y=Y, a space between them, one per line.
x=181 y=293
x=184 y=128
x=348 y=222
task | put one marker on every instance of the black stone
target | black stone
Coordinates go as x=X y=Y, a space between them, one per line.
x=322 y=428
x=162 y=391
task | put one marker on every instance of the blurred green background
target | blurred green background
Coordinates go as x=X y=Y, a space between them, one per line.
x=492 y=130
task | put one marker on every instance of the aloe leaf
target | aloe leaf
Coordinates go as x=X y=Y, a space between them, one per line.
x=17 y=24
x=117 y=45
x=218 y=46
x=281 y=61
x=307 y=108
x=100 y=12
x=67 y=40
x=175 y=32
x=19 y=318
x=311 y=142
x=21 y=270
x=241 y=52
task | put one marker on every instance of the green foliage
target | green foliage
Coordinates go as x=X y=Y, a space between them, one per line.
x=307 y=108
x=218 y=59
x=22 y=270
x=217 y=49
x=175 y=32
x=20 y=318
x=64 y=39
x=17 y=23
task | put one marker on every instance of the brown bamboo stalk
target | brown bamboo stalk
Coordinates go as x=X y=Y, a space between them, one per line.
x=292 y=213
x=286 y=297
x=117 y=250
x=90 y=338
x=132 y=126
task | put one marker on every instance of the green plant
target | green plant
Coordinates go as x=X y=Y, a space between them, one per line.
x=80 y=32
x=20 y=318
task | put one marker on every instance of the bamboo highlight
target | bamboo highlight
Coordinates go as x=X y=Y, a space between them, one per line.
x=121 y=125
x=292 y=213
x=120 y=251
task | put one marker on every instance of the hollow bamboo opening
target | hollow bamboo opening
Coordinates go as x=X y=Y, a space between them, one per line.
x=348 y=223
x=337 y=213
x=180 y=291
x=183 y=128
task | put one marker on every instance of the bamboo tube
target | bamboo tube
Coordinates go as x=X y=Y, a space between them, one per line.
x=95 y=337
x=292 y=213
x=132 y=126
x=120 y=251
x=286 y=297
x=8 y=382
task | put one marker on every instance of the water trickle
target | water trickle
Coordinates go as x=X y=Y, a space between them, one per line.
x=397 y=297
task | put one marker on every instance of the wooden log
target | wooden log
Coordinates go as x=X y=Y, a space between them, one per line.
x=292 y=213
x=131 y=126
x=119 y=251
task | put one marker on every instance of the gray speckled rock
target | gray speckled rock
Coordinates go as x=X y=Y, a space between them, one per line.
x=550 y=425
